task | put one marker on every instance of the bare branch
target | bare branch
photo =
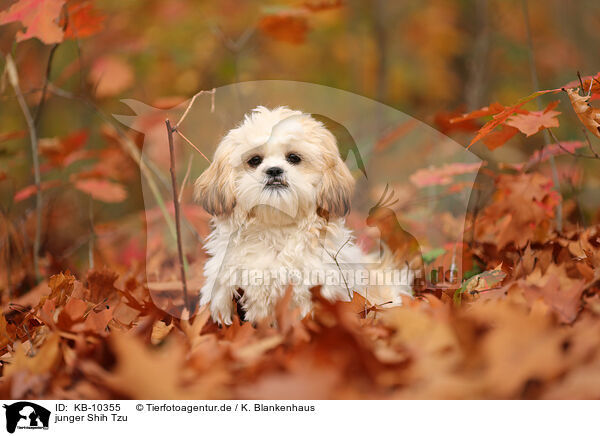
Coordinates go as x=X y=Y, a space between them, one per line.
x=536 y=86
x=584 y=156
x=198 y=94
x=170 y=131
x=185 y=179
x=13 y=77
x=190 y=142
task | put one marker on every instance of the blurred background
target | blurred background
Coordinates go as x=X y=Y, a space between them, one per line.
x=432 y=60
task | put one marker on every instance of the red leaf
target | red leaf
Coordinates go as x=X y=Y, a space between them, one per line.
x=501 y=117
x=290 y=27
x=499 y=137
x=31 y=189
x=83 y=20
x=59 y=150
x=451 y=121
x=12 y=135
x=442 y=175
x=486 y=111
x=102 y=190
x=546 y=152
x=39 y=17
x=322 y=5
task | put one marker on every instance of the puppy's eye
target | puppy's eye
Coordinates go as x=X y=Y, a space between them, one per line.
x=293 y=158
x=254 y=161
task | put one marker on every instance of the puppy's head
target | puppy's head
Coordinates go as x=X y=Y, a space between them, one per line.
x=277 y=165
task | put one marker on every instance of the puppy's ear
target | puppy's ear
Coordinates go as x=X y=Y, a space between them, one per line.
x=337 y=184
x=215 y=189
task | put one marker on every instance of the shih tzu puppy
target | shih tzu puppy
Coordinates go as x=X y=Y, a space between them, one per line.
x=278 y=192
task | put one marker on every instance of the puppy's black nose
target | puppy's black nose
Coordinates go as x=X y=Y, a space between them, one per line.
x=274 y=171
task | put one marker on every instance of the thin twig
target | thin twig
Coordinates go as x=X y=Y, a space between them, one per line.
x=536 y=86
x=13 y=77
x=334 y=257
x=185 y=179
x=587 y=138
x=584 y=156
x=190 y=142
x=92 y=234
x=580 y=79
x=38 y=110
x=198 y=94
x=170 y=131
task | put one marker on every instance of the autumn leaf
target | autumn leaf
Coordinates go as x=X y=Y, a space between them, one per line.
x=546 y=152
x=30 y=190
x=443 y=175
x=502 y=116
x=322 y=5
x=533 y=122
x=84 y=20
x=590 y=84
x=492 y=109
x=289 y=26
x=481 y=282
x=12 y=135
x=38 y=17
x=102 y=190
x=499 y=137
x=59 y=151
x=447 y=122
x=588 y=115
x=39 y=363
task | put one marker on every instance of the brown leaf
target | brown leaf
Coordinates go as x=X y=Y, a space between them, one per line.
x=588 y=115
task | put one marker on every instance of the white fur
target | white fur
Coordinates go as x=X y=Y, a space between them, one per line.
x=256 y=228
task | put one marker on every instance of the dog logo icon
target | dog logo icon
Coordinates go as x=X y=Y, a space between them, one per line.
x=26 y=415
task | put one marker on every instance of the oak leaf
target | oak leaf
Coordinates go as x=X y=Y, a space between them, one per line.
x=38 y=17
x=533 y=122
x=588 y=115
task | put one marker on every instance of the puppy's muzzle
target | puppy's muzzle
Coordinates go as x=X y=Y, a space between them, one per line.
x=275 y=178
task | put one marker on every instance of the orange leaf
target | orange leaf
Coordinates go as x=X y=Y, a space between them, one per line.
x=30 y=190
x=39 y=17
x=58 y=150
x=442 y=175
x=501 y=117
x=499 y=137
x=322 y=5
x=12 y=135
x=290 y=27
x=533 y=122
x=102 y=190
x=83 y=21
x=486 y=111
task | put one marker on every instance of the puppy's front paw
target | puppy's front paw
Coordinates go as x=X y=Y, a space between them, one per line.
x=222 y=311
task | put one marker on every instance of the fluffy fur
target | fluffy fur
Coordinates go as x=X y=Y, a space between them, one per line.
x=278 y=192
